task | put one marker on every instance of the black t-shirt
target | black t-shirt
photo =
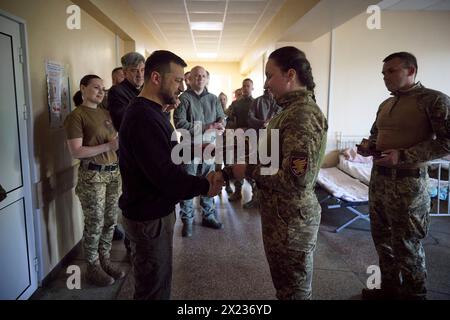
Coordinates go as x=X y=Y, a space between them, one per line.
x=151 y=183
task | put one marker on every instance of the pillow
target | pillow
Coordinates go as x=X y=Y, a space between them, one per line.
x=352 y=155
x=357 y=170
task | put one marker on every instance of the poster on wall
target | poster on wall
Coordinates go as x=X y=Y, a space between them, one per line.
x=58 y=91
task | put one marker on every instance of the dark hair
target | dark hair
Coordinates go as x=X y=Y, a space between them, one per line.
x=408 y=59
x=247 y=79
x=159 y=61
x=187 y=73
x=292 y=58
x=78 y=97
x=115 y=70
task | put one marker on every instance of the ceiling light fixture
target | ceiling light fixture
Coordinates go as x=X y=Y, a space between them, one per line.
x=207 y=26
x=207 y=55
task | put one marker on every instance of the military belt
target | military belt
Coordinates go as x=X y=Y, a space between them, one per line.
x=401 y=173
x=99 y=167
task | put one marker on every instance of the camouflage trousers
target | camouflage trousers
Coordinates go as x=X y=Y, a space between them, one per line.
x=99 y=194
x=289 y=230
x=399 y=215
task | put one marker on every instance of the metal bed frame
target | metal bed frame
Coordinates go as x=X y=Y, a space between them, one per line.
x=348 y=141
x=438 y=212
x=343 y=142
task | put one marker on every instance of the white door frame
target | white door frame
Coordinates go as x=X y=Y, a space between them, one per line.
x=33 y=224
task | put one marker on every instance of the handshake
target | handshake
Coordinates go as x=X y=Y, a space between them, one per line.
x=217 y=179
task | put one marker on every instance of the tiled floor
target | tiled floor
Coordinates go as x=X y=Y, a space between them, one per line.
x=230 y=263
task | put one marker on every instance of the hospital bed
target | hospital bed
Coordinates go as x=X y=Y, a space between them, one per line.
x=347 y=183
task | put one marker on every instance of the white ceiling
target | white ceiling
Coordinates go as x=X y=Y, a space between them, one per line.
x=413 y=5
x=243 y=22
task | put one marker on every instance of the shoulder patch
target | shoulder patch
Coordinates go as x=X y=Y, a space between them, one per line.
x=298 y=164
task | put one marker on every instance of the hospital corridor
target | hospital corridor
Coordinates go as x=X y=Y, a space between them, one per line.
x=225 y=150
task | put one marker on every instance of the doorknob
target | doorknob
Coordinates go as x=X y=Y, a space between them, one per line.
x=2 y=193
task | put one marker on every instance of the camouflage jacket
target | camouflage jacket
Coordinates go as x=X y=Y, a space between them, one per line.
x=437 y=108
x=302 y=137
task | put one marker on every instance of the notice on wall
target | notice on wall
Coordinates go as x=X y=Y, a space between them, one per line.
x=58 y=93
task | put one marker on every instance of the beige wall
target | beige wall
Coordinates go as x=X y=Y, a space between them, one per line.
x=120 y=14
x=89 y=50
x=318 y=54
x=291 y=12
x=358 y=85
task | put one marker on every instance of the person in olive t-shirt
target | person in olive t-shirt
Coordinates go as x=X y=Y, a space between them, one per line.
x=91 y=137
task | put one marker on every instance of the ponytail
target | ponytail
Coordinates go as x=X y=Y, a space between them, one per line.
x=77 y=98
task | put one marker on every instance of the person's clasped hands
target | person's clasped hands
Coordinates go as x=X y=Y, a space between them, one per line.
x=387 y=158
x=218 y=126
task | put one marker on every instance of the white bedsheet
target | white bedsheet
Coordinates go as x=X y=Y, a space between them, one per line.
x=360 y=171
x=342 y=186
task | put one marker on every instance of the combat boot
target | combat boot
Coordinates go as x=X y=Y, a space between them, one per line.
x=97 y=276
x=228 y=188
x=114 y=271
x=211 y=222
x=118 y=233
x=187 y=230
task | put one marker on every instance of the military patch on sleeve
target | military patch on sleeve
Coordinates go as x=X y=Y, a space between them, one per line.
x=298 y=164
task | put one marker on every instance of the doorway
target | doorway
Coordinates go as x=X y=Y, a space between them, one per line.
x=18 y=261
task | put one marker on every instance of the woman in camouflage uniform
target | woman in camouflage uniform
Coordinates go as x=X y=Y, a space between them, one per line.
x=290 y=211
x=92 y=139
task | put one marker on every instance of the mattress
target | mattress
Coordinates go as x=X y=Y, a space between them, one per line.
x=342 y=186
x=357 y=170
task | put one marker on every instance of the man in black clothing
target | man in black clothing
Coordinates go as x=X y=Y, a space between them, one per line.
x=151 y=183
x=120 y=95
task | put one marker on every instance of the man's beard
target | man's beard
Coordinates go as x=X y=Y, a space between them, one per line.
x=167 y=97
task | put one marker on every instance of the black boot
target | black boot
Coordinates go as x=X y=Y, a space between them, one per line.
x=211 y=222
x=187 y=230
x=118 y=233
x=228 y=188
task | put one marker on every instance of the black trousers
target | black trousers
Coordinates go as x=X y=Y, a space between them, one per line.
x=151 y=251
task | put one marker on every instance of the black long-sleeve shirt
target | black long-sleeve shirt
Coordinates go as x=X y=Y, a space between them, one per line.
x=119 y=97
x=151 y=183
